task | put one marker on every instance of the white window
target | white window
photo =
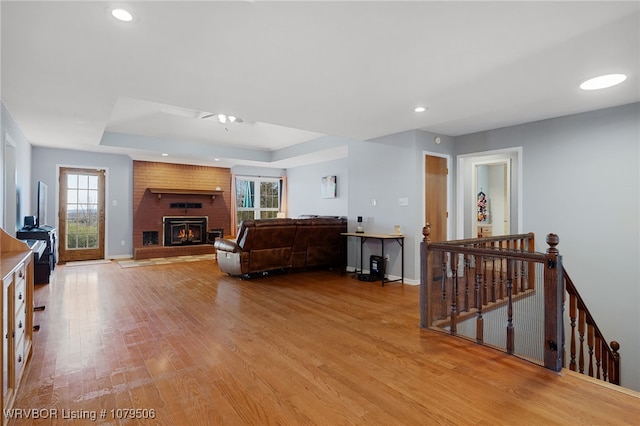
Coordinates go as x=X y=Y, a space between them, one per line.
x=257 y=198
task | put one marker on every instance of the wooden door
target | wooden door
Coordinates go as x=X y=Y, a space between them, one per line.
x=436 y=196
x=81 y=214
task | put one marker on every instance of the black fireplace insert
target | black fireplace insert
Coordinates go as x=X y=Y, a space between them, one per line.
x=185 y=230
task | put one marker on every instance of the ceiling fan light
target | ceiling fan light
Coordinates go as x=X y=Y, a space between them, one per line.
x=122 y=15
x=222 y=118
x=603 y=81
x=231 y=119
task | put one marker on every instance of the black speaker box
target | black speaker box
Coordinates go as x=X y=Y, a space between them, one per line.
x=29 y=222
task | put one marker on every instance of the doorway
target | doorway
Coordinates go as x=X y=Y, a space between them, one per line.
x=503 y=170
x=436 y=175
x=81 y=214
x=493 y=198
x=11 y=202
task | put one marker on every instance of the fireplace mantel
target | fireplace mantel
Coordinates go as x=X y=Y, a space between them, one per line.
x=210 y=193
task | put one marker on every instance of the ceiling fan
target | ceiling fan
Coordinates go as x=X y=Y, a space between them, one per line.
x=223 y=118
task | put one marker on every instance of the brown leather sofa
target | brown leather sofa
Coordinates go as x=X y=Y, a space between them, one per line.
x=282 y=244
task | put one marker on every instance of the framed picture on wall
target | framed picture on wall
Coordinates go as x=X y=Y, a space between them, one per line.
x=328 y=187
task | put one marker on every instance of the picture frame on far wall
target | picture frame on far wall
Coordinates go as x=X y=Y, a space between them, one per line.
x=329 y=187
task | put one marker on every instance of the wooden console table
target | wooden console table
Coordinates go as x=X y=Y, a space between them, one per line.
x=399 y=238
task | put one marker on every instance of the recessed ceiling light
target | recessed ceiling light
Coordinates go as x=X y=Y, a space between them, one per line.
x=216 y=159
x=164 y=154
x=603 y=81
x=420 y=109
x=122 y=15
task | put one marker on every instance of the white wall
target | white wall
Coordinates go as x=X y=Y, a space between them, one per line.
x=581 y=181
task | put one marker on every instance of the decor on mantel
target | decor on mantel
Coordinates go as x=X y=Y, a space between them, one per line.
x=160 y=191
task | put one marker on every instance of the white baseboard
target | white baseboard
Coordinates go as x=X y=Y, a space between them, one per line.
x=120 y=256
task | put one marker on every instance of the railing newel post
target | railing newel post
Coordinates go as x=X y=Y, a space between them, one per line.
x=614 y=370
x=553 y=295
x=426 y=256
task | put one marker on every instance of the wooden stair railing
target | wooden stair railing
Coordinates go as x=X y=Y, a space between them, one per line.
x=502 y=268
x=603 y=359
x=462 y=281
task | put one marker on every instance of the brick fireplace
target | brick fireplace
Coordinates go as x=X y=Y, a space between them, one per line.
x=192 y=200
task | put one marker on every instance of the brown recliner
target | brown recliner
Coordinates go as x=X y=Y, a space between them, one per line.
x=271 y=244
x=261 y=245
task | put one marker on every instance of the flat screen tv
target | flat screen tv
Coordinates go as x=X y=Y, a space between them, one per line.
x=41 y=215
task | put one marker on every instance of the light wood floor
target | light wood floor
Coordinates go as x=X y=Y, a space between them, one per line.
x=314 y=348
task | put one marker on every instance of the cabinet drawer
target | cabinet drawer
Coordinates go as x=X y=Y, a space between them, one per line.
x=20 y=324
x=19 y=360
x=21 y=272
x=19 y=291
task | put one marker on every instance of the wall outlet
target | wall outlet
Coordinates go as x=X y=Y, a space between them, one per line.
x=386 y=256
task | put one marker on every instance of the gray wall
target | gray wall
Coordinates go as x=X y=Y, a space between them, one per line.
x=385 y=169
x=581 y=181
x=24 y=188
x=303 y=189
x=118 y=198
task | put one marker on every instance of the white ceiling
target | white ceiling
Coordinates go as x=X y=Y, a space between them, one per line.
x=296 y=71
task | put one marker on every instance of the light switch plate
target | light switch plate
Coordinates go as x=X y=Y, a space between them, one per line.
x=403 y=201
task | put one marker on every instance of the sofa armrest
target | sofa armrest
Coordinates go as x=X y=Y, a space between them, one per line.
x=227 y=245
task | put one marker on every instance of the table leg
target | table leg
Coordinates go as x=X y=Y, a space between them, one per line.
x=384 y=262
x=361 y=264
x=402 y=250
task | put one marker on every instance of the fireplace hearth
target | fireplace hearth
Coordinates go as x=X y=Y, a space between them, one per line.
x=185 y=230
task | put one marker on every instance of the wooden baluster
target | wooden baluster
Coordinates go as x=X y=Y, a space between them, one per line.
x=599 y=344
x=502 y=282
x=509 y=246
x=467 y=272
x=479 y=292
x=572 y=318
x=485 y=287
x=454 y=294
x=443 y=285
x=531 y=272
x=590 y=335
x=524 y=279
x=474 y=299
x=581 y=324
x=605 y=363
x=510 y=334
x=493 y=279
x=516 y=246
